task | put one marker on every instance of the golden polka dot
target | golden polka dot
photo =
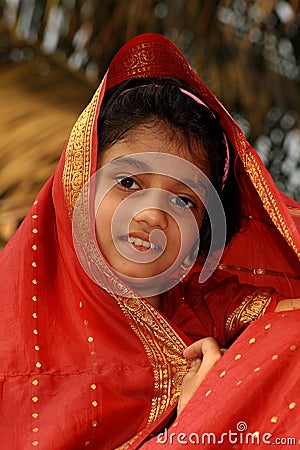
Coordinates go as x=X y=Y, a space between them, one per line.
x=35 y=382
x=292 y=405
x=239 y=383
x=35 y=331
x=37 y=348
x=293 y=347
x=257 y=369
x=34 y=247
x=223 y=374
x=34 y=315
x=86 y=322
x=90 y=339
x=93 y=353
x=256 y=434
x=34 y=264
x=87 y=443
x=35 y=399
x=35 y=415
x=35 y=216
x=268 y=326
x=34 y=298
x=94 y=403
x=35 y=443
x=80 y=304
x=274 y=419
x=34 y=281
x=274 y=357
x=35 y=230
x=208 y=393
x=238 y=356
x=38 y=364
x=252 y=340
x=93 y=386
x=94 y=423
x=35 y=430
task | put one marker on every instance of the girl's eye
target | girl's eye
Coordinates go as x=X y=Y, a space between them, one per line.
x=183 y=202
x=128 y=183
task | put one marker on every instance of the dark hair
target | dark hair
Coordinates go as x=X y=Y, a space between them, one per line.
x=142 y=102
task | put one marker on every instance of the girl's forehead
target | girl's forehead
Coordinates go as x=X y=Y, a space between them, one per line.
x=156 y=140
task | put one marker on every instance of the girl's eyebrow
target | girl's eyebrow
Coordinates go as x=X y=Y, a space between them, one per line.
x=135 y=163
x=196 y=186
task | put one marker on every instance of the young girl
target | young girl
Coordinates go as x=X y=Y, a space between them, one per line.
x=100 y=293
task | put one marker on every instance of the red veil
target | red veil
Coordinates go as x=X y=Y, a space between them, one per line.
x=80 y=368
x=251 y=399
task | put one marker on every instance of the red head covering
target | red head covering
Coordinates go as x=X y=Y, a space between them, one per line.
x=79 y=367
x=266 y=211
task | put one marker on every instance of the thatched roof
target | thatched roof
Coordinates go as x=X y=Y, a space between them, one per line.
x=40 y=102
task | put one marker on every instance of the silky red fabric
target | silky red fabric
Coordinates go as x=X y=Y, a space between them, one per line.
x=250 y=399
x=80 y=368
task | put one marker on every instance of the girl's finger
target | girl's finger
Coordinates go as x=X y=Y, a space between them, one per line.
x=198 y=348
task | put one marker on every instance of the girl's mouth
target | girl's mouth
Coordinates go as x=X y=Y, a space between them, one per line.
x=141 y=243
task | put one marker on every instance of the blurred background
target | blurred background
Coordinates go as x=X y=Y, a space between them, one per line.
x=53 y=54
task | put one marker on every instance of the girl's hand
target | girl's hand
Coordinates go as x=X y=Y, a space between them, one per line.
x=204 y=354
x=288 y=304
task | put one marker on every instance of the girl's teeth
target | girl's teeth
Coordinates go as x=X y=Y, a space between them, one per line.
x=137 y=241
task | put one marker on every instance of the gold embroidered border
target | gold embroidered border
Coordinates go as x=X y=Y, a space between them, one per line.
x=148 y=59
x=254 y=171
x=129 y=442
x=164 y=349
x=253 y=307
x=78 y=155
x=258 y=271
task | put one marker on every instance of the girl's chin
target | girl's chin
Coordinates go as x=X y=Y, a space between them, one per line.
x=135 y=277
x=142 y=278
x=140 y=272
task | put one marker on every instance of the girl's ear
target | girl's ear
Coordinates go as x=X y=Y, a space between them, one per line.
x=190 y=259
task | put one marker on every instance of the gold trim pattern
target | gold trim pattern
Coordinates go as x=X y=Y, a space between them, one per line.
x=253 y=307
x=148 y=59
x=266 y=195
x=78 y=154
x=129 y=442
x=164 y=349
x=258 y=271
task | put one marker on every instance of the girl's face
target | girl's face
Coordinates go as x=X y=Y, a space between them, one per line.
x=161 y=203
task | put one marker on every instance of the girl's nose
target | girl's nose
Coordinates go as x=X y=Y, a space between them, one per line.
x=152 y=210
x=153 y=218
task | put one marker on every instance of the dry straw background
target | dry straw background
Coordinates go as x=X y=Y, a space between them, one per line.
x=39 y=105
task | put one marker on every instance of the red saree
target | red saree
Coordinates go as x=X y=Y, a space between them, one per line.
x=80 y=368
x=251 y=399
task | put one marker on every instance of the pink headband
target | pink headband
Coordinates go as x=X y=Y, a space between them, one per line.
x=200 y=102
x=227 y=160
